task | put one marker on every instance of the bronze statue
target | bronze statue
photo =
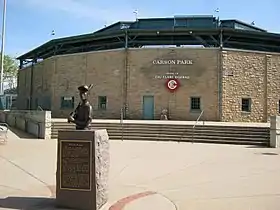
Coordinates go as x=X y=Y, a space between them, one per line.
x=82 y=115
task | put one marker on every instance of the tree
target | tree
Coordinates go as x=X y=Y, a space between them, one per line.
x=10 y=66
x=10 y=71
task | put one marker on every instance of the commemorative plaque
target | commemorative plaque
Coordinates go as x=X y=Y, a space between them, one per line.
x=75 y=165
x=82 y=169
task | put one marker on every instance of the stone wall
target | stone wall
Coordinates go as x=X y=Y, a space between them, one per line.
x=273 y=84
x=102 y=166
x=253 y=75
x=274 y=132
x=37 y=123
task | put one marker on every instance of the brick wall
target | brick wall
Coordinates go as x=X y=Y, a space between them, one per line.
x=103 y=69
x=40 y=75
x=202 y=82
x=61 y=75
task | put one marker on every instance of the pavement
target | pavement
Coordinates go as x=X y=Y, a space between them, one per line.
x=149 y=175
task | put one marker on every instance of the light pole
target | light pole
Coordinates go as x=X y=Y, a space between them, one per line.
x=3 y=48
x=135 y=12
x=217 y=11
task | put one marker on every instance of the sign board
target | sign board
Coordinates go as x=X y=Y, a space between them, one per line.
x=75 y=165
x=124 y=26
x=172 y=75
x=173 y=62
x=65 y=98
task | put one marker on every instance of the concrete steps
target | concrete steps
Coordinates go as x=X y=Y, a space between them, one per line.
x=222 y=134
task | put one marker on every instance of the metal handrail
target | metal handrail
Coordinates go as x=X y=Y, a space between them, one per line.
x=193 y=128
x=121 y=121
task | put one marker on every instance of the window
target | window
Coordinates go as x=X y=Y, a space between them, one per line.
x=279 y=106
x=102 y=102
x=27 y=103
x=14 y=101
x=36 y=103
x=195 y=103
x=246 y=105
x=67 y=103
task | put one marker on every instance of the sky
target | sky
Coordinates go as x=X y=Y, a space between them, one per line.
x=29 y=23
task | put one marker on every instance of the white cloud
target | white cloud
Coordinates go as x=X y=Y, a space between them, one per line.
x=88 y=9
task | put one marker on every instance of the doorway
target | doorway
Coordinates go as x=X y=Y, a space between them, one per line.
x=148 y=107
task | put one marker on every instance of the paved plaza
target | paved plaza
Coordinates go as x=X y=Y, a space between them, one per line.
x=150 y=175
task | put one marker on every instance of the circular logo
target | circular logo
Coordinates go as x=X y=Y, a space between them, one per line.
x=172 y=84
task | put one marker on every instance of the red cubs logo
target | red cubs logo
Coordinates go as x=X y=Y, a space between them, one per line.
x=172 y=84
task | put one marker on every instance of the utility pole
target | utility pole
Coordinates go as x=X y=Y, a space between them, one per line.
x=3 y=48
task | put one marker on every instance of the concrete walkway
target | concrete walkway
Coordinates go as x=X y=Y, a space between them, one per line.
x=150 y=175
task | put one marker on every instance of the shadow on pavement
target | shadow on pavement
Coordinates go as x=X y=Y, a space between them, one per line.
x=269 y=153
x=256 y=146
x=22 y=134
x=29 y=203
x=266 y=153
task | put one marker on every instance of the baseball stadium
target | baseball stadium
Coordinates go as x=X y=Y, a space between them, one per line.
x=227 y=69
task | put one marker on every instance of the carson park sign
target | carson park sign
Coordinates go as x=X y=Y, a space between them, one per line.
x=173 y=62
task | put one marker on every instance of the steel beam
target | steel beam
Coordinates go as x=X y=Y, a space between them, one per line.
x=255 y=45
x=253 y=35
x=119 y=39
x=167 y=42
x=213 y=38
x=202 y=41
x=226 y=40
x=131 y=39
x=71 y=49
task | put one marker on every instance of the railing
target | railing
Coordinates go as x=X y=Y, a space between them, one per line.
x=121 y=121
x=193 y=128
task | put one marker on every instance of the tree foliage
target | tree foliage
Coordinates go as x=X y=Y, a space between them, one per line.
x=10 y=66
x=10 y=71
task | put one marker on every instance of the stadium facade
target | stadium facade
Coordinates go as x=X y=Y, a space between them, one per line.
x=232 y=72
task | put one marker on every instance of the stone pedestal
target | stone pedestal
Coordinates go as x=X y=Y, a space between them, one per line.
x=82 y=169
x=275 y=131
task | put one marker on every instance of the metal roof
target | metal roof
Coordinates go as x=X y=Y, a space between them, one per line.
x=113 y=25
x=244 y=24
x=113 y=36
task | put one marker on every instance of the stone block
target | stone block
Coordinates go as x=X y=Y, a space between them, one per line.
x=102 y=165
x=82 y=169
x=275 y=131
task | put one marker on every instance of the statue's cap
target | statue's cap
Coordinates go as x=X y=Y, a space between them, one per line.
x=83 y=88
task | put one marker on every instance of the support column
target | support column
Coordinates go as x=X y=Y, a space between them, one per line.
x=265 y=95
x=31 y=85
x=125 y=78
x=274 y=132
